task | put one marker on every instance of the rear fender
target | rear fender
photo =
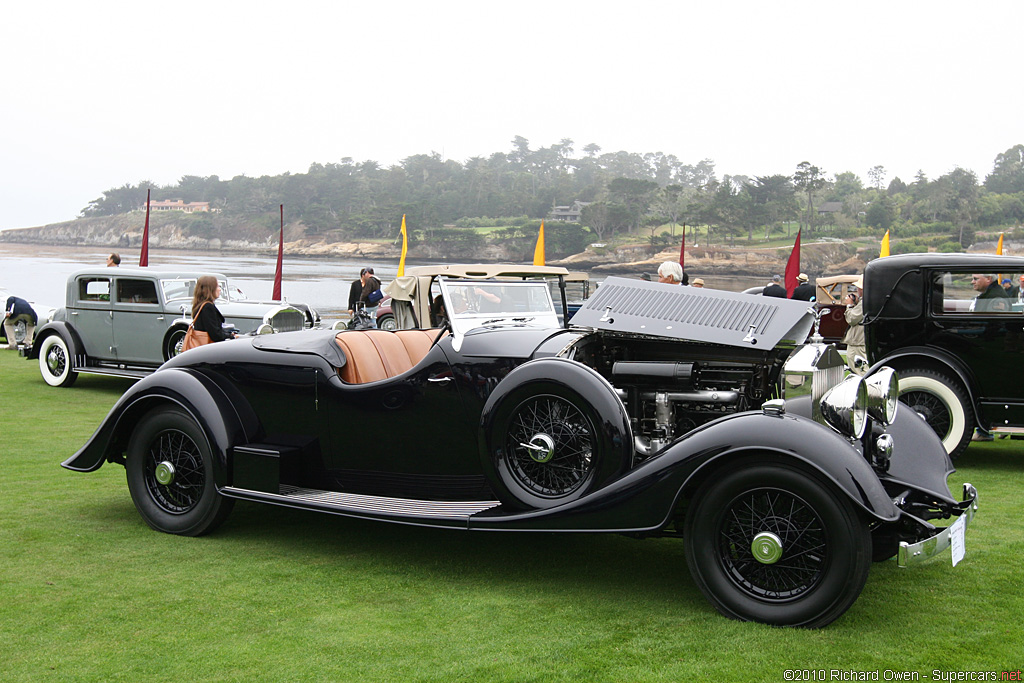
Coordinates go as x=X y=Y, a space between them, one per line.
x=934 y=359
x=223 y=414
x=614 y=424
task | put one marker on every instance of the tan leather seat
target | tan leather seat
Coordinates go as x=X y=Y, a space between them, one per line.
x=373 y=355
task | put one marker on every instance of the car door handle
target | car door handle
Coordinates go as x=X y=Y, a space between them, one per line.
x=159 y=317
x=439 y=380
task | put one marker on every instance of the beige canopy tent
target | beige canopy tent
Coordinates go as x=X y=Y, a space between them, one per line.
x=832 y=290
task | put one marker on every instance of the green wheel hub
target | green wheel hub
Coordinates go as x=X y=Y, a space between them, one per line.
x=766 y=547
x=164 y=473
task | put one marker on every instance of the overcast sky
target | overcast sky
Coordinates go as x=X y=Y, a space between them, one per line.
x=99 y=94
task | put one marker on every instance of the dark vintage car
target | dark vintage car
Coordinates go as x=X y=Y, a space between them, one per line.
x=658 y=412
x=959 y=363
x=127 y=321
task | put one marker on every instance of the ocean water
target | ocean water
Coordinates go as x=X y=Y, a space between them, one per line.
x=38 y=273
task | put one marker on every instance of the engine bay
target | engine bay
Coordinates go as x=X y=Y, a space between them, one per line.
x=667 y=396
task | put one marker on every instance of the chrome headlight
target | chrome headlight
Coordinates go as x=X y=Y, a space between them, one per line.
x=883 y=394
x=844 y=407
x=265 y=329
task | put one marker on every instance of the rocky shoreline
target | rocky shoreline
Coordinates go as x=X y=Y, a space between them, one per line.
x=819 y=258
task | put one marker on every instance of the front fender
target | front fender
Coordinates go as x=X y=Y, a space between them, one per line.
x=918 y=459
x=224 y=416
x=647 y=497
x=792 y=438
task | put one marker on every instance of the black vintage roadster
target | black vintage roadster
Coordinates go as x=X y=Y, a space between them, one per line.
x=658 y=411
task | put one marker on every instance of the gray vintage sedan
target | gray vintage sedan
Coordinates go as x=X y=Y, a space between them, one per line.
x=128 y=321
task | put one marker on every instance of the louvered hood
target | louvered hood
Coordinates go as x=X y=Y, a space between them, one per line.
x=695 y=314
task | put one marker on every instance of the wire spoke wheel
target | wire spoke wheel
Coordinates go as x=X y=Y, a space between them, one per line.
x=55 y=362
x=773 y=542
x=550 y=446
x=931 y=408
x=801 y=537
x=175 y=450
x=944 y=403
x=170 y=469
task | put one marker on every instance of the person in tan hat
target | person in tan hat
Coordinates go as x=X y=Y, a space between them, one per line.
x=854 y=337
x=804 y=290
x=699 y=283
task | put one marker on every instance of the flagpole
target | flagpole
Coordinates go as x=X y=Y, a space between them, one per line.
x=682 y=250
x=280 y=255
x=144 y=254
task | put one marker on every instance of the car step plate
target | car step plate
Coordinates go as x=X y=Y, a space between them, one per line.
x=361 y=504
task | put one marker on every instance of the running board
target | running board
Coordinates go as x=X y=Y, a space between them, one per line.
x=135 y=373
x=409 y=511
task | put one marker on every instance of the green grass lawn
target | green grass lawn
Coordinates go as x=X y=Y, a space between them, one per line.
x=89 y=593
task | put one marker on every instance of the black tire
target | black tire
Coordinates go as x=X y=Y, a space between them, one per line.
x=944 y=404
x=823 y=546
x=183 y=499
x=387 y=322
x=55 y=362
x=173 y=341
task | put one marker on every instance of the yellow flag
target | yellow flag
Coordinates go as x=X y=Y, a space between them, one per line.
x=885 y=245
x=538 y=252
x=999 y=247
x=405 y=248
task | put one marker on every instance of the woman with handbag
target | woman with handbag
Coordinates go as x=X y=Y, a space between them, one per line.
x=207 y=322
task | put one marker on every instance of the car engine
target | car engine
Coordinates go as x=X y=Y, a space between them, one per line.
x=668 y=393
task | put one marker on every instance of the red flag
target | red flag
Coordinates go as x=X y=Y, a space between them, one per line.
x=682 y=250
x=144 y=254
x=280 y=254
x=793 y=266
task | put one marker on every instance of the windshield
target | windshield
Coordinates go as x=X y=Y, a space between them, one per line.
x=183 y=289
x=482 y=303
x=499 y=300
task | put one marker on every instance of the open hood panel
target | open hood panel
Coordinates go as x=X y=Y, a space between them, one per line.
x=702 y=315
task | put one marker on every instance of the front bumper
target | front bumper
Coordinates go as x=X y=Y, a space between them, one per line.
x=913 y=553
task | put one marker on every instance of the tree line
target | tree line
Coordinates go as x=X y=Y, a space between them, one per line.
x=621 y=192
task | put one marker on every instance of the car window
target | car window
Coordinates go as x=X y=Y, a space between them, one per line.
x=136 y=291
x=184 y=288
x=94 y=289
x=178 y=289
x=973 y=294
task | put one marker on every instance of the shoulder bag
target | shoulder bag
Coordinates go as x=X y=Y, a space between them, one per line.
x=194 y=337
